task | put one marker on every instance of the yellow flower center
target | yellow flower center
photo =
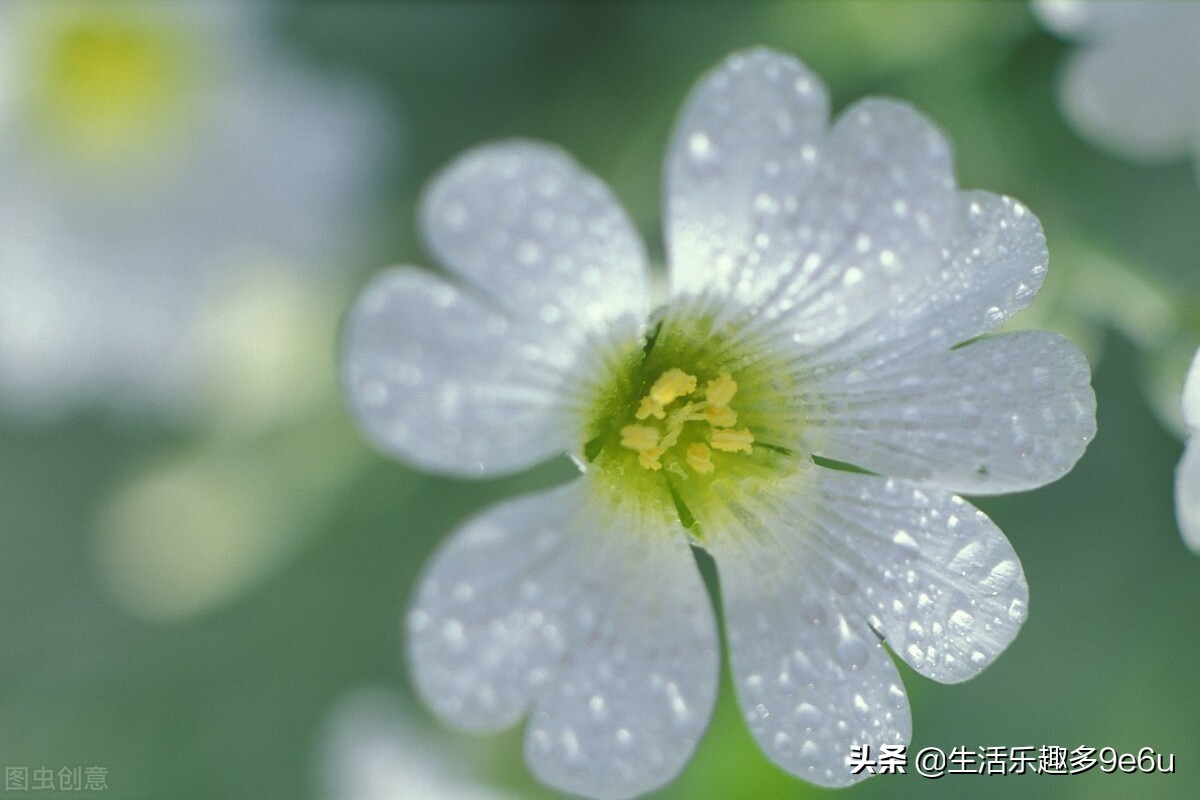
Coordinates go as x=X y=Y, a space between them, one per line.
x=689 y=420
x=712 y=411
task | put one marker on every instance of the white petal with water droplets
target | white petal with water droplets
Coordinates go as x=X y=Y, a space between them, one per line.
x=441 y=378
x=594 y=619
x=812 y=679
x=991 y=268
x=818 y=228
x=813 y=569
x=1191 y=395
x=741 y=161
x=1000 y=414
x=931 y=573
x=1187 y=494
x=994 y=265
x=544 y=240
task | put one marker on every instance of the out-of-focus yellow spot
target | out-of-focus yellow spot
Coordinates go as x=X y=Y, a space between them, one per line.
x=199 y=530
x=111 y=87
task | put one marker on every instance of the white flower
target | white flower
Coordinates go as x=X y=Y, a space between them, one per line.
x=370 y=752
x=827 y=285
x=1187 y=479
x=161 y=162
x=1132 y=87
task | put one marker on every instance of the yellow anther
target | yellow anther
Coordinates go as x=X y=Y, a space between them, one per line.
x=699 y=458
x=639 y=437
x=649 y=407
x=671 y=385
x=720 y=390
x=733 y=440
x=649 y=459
x=720 y=416
x=645 y=441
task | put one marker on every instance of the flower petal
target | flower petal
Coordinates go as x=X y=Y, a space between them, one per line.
x=1187 y=495
x=932 y=573
x=1090 y=20
x=1191 y=395
x=439 y=377
x=1002 y=414
x=544 y=240
x=992 y=267
x=995 y=264
x=1135 y=93
x=745 y=144
x=812 y=679
x=791 y=223
x=594 y=616
x=812 y=570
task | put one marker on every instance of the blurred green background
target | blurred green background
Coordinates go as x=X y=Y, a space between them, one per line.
x=223 y=687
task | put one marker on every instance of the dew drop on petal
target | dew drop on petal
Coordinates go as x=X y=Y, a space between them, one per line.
x=961 y=621
x=852 y=651
x=700 y=147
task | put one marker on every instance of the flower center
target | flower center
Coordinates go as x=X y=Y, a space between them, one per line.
x=712 y=412
x=689 y=419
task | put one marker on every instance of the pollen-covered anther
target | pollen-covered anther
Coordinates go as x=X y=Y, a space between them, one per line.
x=672 y=385
x=720 y=390
x=733 y=440
x=699 y=458
x=720 y=416
x=649 y=407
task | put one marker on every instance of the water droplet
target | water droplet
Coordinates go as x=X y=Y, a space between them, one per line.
x=700 y=147
x=808 y=716
x=961 y=621
x=570 y=744
x=1016 y=610
x=454 y=634
x=852 y=651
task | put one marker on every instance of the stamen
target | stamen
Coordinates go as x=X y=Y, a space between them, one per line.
x=720 y=416
x=639 y=437
x=649 y=407
x=671 y=385
x=733 y=440
x=699 y=458
x=720 y=390
x=652 y=442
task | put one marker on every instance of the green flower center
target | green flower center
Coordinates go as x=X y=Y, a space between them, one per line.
x=691 y=419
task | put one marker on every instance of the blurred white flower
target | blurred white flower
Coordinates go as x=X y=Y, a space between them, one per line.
x=1187 y=479
x=827 y=285
x=1132 y=86
x=369 y=752
x=161 y=161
